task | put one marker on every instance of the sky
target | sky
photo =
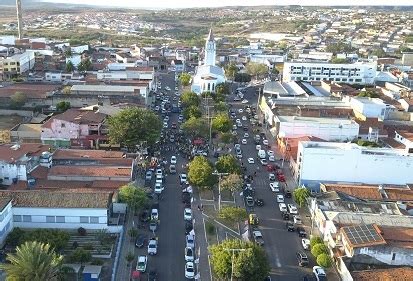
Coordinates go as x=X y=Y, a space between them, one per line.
x=220 y=3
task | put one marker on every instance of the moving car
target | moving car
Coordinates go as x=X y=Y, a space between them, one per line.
x=251 y=161
x=189 y=254
x=292 y=209
x=263 y=162
x=158 y=188
x=152 y=246
x=282 y=207
x=182 y=178
x=148 y=175
x=172 y=169
x=244 y=141
x=301 y=231
x=189 y=270
x=290 y=226
x=274 y=186
x=271 y=177
x=142 y=262
x=280 y=198
x=154 y=214
x=173 y=159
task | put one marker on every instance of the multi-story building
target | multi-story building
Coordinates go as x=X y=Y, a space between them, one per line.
x=319 y=162
x=17 y=64
x=355 y=73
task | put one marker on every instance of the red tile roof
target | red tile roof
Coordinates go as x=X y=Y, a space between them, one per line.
x=388 y=274
x=360 y=191
x=401 y=237
x=30 y=90
x=90 y=154
x=90 y=171
x=10 y=153
x=78 y=116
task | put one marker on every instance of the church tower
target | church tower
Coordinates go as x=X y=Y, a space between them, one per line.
x=210 y=50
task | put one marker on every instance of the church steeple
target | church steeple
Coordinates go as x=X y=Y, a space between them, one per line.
x=210 y=49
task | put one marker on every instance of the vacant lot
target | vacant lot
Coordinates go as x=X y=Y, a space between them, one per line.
x=9 y=121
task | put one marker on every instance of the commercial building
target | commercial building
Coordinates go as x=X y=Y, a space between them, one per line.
x=329 y=129
x=17 y=64
x=355 y=73
x=110 y=90
x=319 y=162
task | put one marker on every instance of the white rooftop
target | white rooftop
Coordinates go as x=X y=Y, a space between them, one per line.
x=315 y=120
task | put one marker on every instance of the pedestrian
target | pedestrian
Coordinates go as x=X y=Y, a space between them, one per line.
x=199 y=208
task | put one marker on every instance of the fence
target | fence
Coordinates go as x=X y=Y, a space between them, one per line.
x=117 y=256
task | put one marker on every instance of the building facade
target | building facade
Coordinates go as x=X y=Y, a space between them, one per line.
x=356 y=73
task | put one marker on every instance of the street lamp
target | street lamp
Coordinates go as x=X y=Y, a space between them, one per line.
x=216 y=173
x=233 y=250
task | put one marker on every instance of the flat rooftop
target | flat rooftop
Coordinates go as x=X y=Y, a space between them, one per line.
x=103 y=88
x=311 y=101
x=300 y=119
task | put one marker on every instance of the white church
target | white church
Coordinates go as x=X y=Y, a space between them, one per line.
x=208 y=75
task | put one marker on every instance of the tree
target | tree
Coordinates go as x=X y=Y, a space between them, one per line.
x=339 y=60
x=228 y=164
x=231 y=70
x=129 y=258
x=68 y=52
x=221 y=107
x=368 y=94
x=81 y=255
x=134 y=197
x=300 y=195
x=190 y=99
x=319 y=249
x=33 y=261
x=324 y=260
x=62 y=106
x=66 y=90
x=84 y=65
x=232 y=182
x=222 y=89
x=134 y=126
x=340 y=47
x=233 y=214
x=256 y=69
x=18 y=99
x=185 y=78
x=192 y=111
x=226 y=138
x=315 y=240
x=69 y=66
x=250 y=264
x=196 y=127
x=380 y=53
x=242 y=77
x=222 y=123
x=200 y=172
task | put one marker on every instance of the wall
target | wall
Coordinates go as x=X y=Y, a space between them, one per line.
x=368 y=108
x=10 y=171
x=403 y=256
x=351 y=165
x=6 y=222
x=60 y=129
x=23 y=113
x=72 y=217
x=87 y=178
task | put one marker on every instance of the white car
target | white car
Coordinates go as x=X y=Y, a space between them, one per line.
x=292 y=209
x=280 y=198
x=154 y=214
x=190 y=241
x=167 y=88
x=152 y=246
x=274 y=186
x=306 y=243
x=319 y=273
x=270 y=153
x=244 y=118
x=187 y=214
x=283 y=207
x=271 y=177
x=158 y=188
x=189 y=270
x=244 y=101
x=265 y=142
x=246 y=135
x=165 y=125
x=263 y=161
x=237 y=121
x=173 y=160
x=239 y=124
x=237 y=145
x=166 y=119
x=297 y=219
x=244 y=141
x=251 y=161
x=271 y=158
x=142 y=262
x=182 y=178
x=258 y=147
x=159 y=172
x=240 y=110
x=239 y=155
x=189 y=254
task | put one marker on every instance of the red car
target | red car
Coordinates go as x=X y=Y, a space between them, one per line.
x=279 y=172
x=271 y=167
x=281 y=178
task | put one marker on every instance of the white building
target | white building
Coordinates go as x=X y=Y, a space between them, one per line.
x=55 y=209
x=347 y=162
x=356 y=73
x=79 y=49
x=208 y=76
x=330 y=129
x=370 y=107
x=75 y=59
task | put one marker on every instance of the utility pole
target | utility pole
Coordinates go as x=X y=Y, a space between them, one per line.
x=233 y=250
x=259 y=99
x=216 y=173
x=19 y=18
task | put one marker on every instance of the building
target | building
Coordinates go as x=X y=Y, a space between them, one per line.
x=355 y=73
x=277 y=89
x=55 y=209
x=178 y=65
x=329 y=129
x=370 y=108
x=407 y=59
x=110 y=90
x=75 y=128
x=208 y=75
x=18 y=160
x=17 y=64
x=26 y=133
x=319 y=162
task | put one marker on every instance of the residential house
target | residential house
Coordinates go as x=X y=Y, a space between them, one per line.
x=75 y=128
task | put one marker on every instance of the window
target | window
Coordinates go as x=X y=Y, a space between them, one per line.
x=17 y=218
x=27 y=218
x=84 y=219
x=60 y=219
x=63 y=125
x=94 y=219
x=393 y=257
x=50 y=219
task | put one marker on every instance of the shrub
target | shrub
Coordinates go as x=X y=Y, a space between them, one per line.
x=81 y=231
x=89 y=247
x=75 y=245
x=315 y=240
x=324 y=260
x=319 y=249
x=210 y=228
x=97 y=262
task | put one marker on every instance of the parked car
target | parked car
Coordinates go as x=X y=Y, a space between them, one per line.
x=283 y=207
x=290 y=226
x=319 y=273
x=148 y=175
x=182 y=178
x=140 y=240
x=287 y=194
x=154 y=214
x=187 y=214
x=285 y=216
x=258 y=237
x=141 y=264
x=153 y=225
x=249 y=201
x=152 y=246
x=172 y=169
x=186 y=198
x=190 y=241
x=301 y=231
x=292 y=209
x=274 y=186
x=302 y=259
x=189 y=254
x=297 y=219
x=271 y=177
x=189 y=270
x=305 y=243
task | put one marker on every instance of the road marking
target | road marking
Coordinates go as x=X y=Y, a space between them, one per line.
x=203 y=221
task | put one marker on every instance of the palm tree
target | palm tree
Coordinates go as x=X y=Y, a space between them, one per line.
x=33 y=261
